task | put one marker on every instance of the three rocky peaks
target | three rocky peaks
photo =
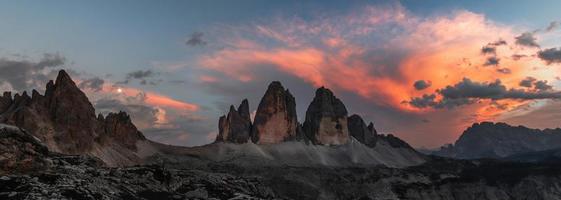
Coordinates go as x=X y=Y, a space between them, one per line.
x=65 y=120
x=327 y=122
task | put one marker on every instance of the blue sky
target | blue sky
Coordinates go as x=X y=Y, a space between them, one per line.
x=110 y=39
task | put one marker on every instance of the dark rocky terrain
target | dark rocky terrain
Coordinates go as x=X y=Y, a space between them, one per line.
x=46 y=153
x=499 y=140
x=84 y=177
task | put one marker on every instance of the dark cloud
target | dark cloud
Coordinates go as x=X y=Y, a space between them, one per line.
x=518 y=56
x=552 y=26
x=550 y=56
x=468 y=92
x=26 y=74
x=527 y=82
x=491 y=48
x=527 y=39
x=140 y=74
x=542 y=85
x=498 y=43
x=422 y=84
x=488 y=50
x=425 y=101
x=143 y=76
x=196 y=39
x=492 y=61
x=504 y=70
x=95 y=84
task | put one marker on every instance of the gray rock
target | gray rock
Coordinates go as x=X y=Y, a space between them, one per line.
x=236 y=126
x=326 y=119
x=359 y=130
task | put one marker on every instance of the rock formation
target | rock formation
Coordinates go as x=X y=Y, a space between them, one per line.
x=21 y=152
x=64 y=119
x=275 y=119
x=361 y=132
x=119 y=128
x=326 y=119
x=236 y=126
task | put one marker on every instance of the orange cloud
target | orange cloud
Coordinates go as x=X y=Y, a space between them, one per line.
x=379 y=53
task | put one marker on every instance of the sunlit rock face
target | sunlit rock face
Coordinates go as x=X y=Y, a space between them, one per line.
x=359 y=130
x=275 y=119
x=236 y=126
x=326 y=119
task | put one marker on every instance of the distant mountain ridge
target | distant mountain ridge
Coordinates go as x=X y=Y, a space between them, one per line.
x=499 y=140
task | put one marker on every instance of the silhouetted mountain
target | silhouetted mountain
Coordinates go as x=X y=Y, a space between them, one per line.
x=498 y=140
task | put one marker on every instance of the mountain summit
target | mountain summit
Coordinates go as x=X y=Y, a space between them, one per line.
x=65 y=121
x=328 y=136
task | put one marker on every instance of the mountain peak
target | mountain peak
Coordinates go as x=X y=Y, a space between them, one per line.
x=65 y=120
x=275 y=118
x=63 y=78
x=326 y=119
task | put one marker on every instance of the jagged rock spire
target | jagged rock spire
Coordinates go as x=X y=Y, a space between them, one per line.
x=236 y=126
x=275 y=119
x=326 y=119
x=5 y=101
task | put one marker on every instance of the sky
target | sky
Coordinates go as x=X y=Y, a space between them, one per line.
x=421 y=70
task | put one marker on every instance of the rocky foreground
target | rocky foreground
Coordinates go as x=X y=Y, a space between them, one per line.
x=30 y=171
x=79 y=178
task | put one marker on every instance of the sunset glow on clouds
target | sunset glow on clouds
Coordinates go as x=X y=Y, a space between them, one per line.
x=379 y=53
x=422 y=70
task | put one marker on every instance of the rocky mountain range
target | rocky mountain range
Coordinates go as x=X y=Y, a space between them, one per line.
x=500 y=140
x=327 y=137
x=53 y=146
x=326 y=123
x=65 y=121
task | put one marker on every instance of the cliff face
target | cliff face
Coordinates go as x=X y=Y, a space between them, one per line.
x=326 y=119
x=276 y=122
x=64 y=119
x=359 y=130
x=236 y=126
x=275 y=118
x=498 y=140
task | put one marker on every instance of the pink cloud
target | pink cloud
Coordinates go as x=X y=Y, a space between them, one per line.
x=378 y=53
